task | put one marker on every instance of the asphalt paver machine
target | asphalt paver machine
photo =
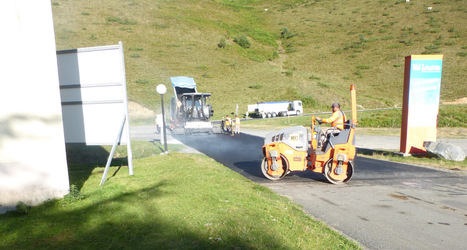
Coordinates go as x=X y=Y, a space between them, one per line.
x=330 y=152
x=190 y=111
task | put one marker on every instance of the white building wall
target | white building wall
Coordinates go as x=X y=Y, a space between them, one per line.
x=33 y=164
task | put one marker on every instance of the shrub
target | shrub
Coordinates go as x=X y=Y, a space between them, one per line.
x=222 y=43
x=22 y=208
x=363 y=67
x=136 y=49
x=275 y=55
x=113 y=19
x=142 y=81
x=243 y=41
x=308 y=101
x=286 y=34
x=290 y=49
x=337 y=51
x=359 y=74
x=407 y=43
x=120 y=21
x=313 y=77
x=73 y=196
x=256 y=86
x=323 y=85
x=432 y=47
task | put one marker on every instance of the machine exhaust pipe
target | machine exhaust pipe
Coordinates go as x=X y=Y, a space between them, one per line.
x=353 y=97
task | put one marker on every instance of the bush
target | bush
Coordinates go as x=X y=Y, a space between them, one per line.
x=142 y=81
x=256 y=86
x=73 y=196
x=313 y=77
x=308 y=101
x=22 y=208
x=286 y=34
x=275 y=55
x=242 y=40
x=363 y=67
x=222 y=43
x=323 y=85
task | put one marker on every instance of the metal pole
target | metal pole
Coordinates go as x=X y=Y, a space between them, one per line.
x=127 y=122
x=112 y=152
x=163 y=123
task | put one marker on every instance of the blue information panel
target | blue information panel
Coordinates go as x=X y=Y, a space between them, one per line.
x=424 y=91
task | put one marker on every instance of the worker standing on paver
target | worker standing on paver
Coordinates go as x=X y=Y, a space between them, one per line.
x=228 y=124
x=237 y=124
x=223 y=124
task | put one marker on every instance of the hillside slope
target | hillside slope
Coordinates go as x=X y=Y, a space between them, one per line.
x=292 y=49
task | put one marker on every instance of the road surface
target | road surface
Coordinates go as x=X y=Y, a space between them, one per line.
x=386 y=205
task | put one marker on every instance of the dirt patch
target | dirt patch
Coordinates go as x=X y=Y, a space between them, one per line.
x=458 y=133
x=456 y=102
x=137 y=111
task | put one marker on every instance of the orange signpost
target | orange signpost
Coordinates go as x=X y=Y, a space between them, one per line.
x=422 y=84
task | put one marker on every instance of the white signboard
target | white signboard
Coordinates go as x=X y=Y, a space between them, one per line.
x=93 y=92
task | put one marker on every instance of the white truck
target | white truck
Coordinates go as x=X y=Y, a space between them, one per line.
x=273 y=109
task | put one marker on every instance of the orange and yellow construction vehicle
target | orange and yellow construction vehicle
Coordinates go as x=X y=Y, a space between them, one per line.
x=331 y=153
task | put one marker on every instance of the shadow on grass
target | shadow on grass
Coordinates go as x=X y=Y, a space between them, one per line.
x=83 y=159
x=111 y=223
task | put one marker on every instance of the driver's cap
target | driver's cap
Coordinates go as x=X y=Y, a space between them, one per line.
x=335 y=105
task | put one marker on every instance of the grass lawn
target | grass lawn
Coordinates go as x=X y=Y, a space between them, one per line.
x=297 y=49
x=174 y=201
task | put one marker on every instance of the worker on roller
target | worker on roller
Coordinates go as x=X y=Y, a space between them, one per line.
x=337 y=118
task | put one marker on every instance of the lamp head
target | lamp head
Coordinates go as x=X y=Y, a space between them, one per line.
x=161 y=89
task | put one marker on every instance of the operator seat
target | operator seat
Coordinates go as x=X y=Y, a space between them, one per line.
x=339 y=138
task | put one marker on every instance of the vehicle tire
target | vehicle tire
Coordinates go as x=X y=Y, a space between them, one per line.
x=329 y=175
x=274 y=114
x=268 y=115
x=264 y=169
x=298 y=113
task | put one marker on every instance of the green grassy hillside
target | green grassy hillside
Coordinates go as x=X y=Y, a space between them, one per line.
x=245 y=51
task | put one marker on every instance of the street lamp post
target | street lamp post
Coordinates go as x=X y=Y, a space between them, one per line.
x=161 y=89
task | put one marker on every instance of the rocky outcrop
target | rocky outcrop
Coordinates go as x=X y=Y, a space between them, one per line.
x=445 y=150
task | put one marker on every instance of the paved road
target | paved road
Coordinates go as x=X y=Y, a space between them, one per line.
x=386 y=205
